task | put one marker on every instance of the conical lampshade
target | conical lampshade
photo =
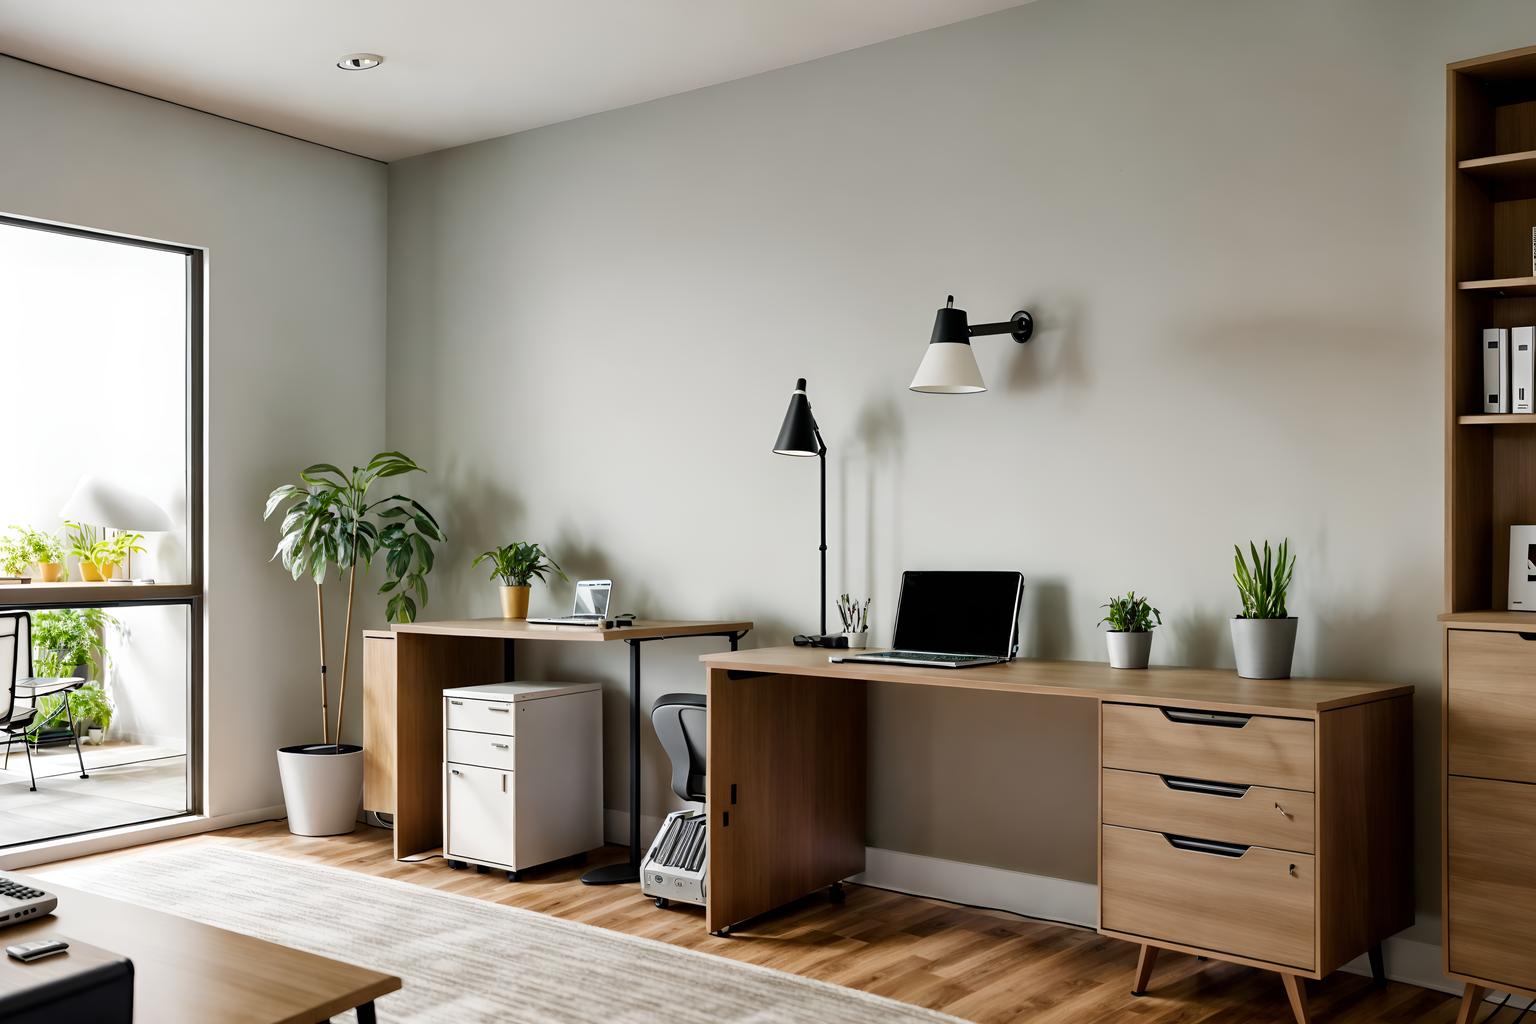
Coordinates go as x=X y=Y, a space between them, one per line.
x=948 y=368
x=798 y=435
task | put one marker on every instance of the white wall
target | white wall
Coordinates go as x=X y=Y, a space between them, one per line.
x=295 y=235
x=1226 y=216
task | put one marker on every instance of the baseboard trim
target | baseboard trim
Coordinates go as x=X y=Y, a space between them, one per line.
x=52 y=850
x=1077 y=903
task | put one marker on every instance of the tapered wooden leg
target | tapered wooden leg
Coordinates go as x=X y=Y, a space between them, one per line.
x=1145 y=961
x=1296 y=991
x=1378 y=965
x=1471 y=1000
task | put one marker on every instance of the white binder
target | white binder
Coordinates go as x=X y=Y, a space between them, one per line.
x=1522 y=369
x=1496 y=369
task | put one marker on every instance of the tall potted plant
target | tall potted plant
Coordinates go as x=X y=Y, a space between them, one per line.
x=1131 y=620
x=329 y=524
x=1264 y=635
x=516 y=565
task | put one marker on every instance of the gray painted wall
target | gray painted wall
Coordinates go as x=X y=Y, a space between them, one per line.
x=295 y=235
x=1227 y=218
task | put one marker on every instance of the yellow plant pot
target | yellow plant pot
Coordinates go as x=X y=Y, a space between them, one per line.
x=88 y=572
x=50 y=572
x=514 y=602
x=107 y=570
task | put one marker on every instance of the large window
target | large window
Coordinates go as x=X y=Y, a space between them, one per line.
x=100 y=507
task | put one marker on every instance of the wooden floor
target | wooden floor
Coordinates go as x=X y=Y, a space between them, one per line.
x=978 y=965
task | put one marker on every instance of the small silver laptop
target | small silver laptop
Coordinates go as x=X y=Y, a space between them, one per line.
x=588 y=608
x=953 y=620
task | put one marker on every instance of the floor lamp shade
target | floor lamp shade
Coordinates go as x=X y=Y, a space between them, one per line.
x=98 y=503
x=798 y=435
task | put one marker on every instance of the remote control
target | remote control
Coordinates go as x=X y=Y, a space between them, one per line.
x=27 y=952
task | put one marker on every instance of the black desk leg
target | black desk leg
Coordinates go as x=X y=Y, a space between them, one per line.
x=365 y=1014
x=628 y=871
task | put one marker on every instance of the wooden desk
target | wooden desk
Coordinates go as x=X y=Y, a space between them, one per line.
x=1266 y=823
x=191 y=973
x=403 y=711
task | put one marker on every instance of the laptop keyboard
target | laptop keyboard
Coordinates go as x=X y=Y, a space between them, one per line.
x=923 y=656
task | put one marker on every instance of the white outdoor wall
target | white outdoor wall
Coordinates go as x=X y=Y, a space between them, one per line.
x=295 y=235
x=1226 y=216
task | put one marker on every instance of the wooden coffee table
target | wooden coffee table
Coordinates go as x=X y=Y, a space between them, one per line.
x=186 y=972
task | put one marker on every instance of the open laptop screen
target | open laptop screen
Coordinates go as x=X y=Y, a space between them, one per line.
x=592 y=598
x=958 y=612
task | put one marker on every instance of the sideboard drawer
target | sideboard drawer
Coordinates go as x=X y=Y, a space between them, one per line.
x=1491 y=880
x=1247 y=815
x=1248 y=749
x=1257 y=905
x=1492 y=701
x=485 y=750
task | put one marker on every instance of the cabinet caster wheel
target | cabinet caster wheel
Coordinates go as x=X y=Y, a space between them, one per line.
x=456 y=865
x=836 y=893
x=663 y=902
x=481 y=869
x=512 y=876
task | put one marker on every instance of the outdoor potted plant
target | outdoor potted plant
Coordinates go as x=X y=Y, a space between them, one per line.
x=855 y=616
x=70 y=642
x=92 y=709
x=1131 y=620
x=1264 y=635
x=516 y=565
x=110 y=552
x=15 y=559
x=328 y=524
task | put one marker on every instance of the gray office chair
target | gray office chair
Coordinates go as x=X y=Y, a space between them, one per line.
x=16 y=638
x=681 y=720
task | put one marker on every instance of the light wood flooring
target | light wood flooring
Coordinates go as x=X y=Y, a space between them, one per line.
x=979 y=965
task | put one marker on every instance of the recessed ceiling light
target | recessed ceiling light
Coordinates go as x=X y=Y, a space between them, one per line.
x=359 y=61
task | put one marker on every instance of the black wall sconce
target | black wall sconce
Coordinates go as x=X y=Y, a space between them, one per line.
x=949 y=365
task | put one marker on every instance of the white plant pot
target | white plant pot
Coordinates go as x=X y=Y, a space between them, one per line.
x=95 y=736
x=1129 y=650
x=857 y=641
x=323 y=789
x=1264 y=647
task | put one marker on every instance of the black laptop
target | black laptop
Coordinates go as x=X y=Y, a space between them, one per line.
x=953 y=620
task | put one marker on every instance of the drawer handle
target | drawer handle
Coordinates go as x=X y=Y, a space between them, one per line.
x=1225 y=721
x=503 y=746
x=1287 y=815
x=1528 y=636
x=503 y=782
x=502 y=710
x=455 y=771
x=1205 y=846
x=456 y=703
x=1227 y=789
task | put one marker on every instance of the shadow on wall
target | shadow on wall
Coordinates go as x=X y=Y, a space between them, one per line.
x=1048 y=612
x=871 y=460
x=1200 y=636
x=1053 y=357
x=477 y=513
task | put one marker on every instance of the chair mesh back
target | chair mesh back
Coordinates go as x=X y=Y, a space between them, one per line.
x=15 y=643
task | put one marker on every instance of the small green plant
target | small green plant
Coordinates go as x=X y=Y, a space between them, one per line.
x=90 y=545
x=64 y=639
x=82 y=540
x=855 y=615
x=90 y=705
x=25 y=547
x=517 y=564
x=1131 y=614
x=1262 y=585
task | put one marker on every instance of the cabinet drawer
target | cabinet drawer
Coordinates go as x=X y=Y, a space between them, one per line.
x=1491 y=880
x=491 y=716
x=1248 y=749
x=478 y=748
x=1492 y=705
x=1246 y=815
x=479 y=815
x=1258 y=905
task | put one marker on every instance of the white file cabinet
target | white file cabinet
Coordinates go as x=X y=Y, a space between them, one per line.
x=522 y=774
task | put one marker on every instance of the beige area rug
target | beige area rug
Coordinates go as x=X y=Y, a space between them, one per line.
x=465 y=960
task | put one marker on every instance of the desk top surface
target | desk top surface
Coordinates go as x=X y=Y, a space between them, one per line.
x=187 y=971
x=519 y=629
x=1215 y=689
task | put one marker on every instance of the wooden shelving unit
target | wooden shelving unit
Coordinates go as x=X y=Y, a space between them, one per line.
x=1488 y=835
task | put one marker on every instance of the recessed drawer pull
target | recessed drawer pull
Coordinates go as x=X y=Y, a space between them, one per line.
x=1216 y=718
x=1228 y=789
x=1205 y=846
x=456 y=703
x=1528 y=636
x=506 y=746
x=1287 y=815
x=503 y=710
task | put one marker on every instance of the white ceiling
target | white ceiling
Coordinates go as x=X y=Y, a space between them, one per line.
x=455 y=71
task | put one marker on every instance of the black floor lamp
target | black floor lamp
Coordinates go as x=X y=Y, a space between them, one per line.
x=801 y=437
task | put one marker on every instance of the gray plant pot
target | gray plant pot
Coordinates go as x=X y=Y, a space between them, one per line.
x=1129 y=650
x=1263 y=647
